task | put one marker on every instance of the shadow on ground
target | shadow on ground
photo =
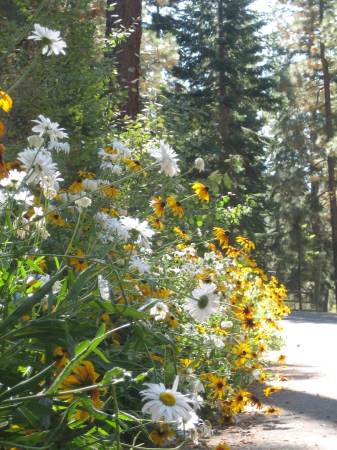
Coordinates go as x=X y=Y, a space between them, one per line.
x=312 y=317
x=314 y=406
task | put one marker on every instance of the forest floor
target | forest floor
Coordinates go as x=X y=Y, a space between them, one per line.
x=308 y=401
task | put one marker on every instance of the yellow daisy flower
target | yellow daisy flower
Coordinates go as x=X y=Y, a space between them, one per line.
x=201 y=191
x=175 y=206
x=158 y=206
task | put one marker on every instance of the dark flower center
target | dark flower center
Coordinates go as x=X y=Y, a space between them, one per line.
x=203 y=301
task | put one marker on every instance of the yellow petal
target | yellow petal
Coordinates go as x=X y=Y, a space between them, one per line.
x=6 y=102
x=2 y=129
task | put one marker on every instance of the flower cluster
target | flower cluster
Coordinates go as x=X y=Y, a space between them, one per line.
x=114 y=287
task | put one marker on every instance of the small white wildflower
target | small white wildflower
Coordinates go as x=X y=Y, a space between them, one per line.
x=159 y=311
x=51 y=40
x=62 y=147
x=90 y=185
x=103 y=287
x=139 y=264
x=14 y=179
x=44 y=126
x=199 y=164
x=167 y=158
x=225 y=324
x=83 y=202
x=35 y=141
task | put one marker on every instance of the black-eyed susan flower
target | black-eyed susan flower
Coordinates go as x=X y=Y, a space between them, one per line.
x=281 y=359
x=110 y=191
x=158 y=206
x=133 y=164
x=76 y=186
x=61 y=356
x=272 y=410
x=222 y=236
x=218 y=385
x=222 y=446
x=87 y=175
x=175 y=206
x=239 y=400
x=55 y=218
x=156 y=223
x=201 y=191
x=245 y=243
x=83 y=375
x=180 y=233
x=6 y=101
x=270 y=390
x=161 y=435
x=78 y=261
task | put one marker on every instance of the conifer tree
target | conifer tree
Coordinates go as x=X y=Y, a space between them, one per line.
x=220 y=84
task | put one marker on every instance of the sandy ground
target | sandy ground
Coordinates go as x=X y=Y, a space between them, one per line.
x=309 y=398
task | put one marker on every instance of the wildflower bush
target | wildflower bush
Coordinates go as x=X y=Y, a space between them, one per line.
x=129 y=316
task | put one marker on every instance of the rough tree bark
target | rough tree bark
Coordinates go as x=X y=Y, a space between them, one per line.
x=127 y=14
x=329 y=134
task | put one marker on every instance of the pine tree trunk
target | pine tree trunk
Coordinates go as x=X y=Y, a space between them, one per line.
x=331 y=159
x=127 y=14
x=224 y=113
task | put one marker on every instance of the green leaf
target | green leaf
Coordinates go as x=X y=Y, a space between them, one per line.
x=29 y=302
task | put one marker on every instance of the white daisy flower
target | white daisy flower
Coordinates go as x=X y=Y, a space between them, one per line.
x=199 y=164
x=90 y=185
x=190 y=424
x=38 y=164
x=13 y=179
x=159 y=311
x=121 y=148
x=165 y=404
x=35 y=141
x=143 y=228
x=103 y=287
x=117 y=169
x=44 y=126
x=204 y=303
x=83 y=202
x=167 y=158
x=62 y=147
x=24 y=196
x=50 y=184
x=51 y=40
x=112 y=227
x=139 y=264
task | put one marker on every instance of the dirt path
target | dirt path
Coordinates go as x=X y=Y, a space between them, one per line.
x=309 y=397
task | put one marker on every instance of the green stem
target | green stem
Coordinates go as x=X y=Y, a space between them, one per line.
x=118 y=434
x=24 y=75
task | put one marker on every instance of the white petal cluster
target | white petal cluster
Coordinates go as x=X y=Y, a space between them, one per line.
x=199 y=164
x=13 y=180
x=204 y=303
x=83 y=202
x=41 y=169
x=52 y=43
x=167 y=158
x=143 y=229
x=139 y=264
x=166 y=404
x=109 y=160
x=111 y=227
x=159 y=311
